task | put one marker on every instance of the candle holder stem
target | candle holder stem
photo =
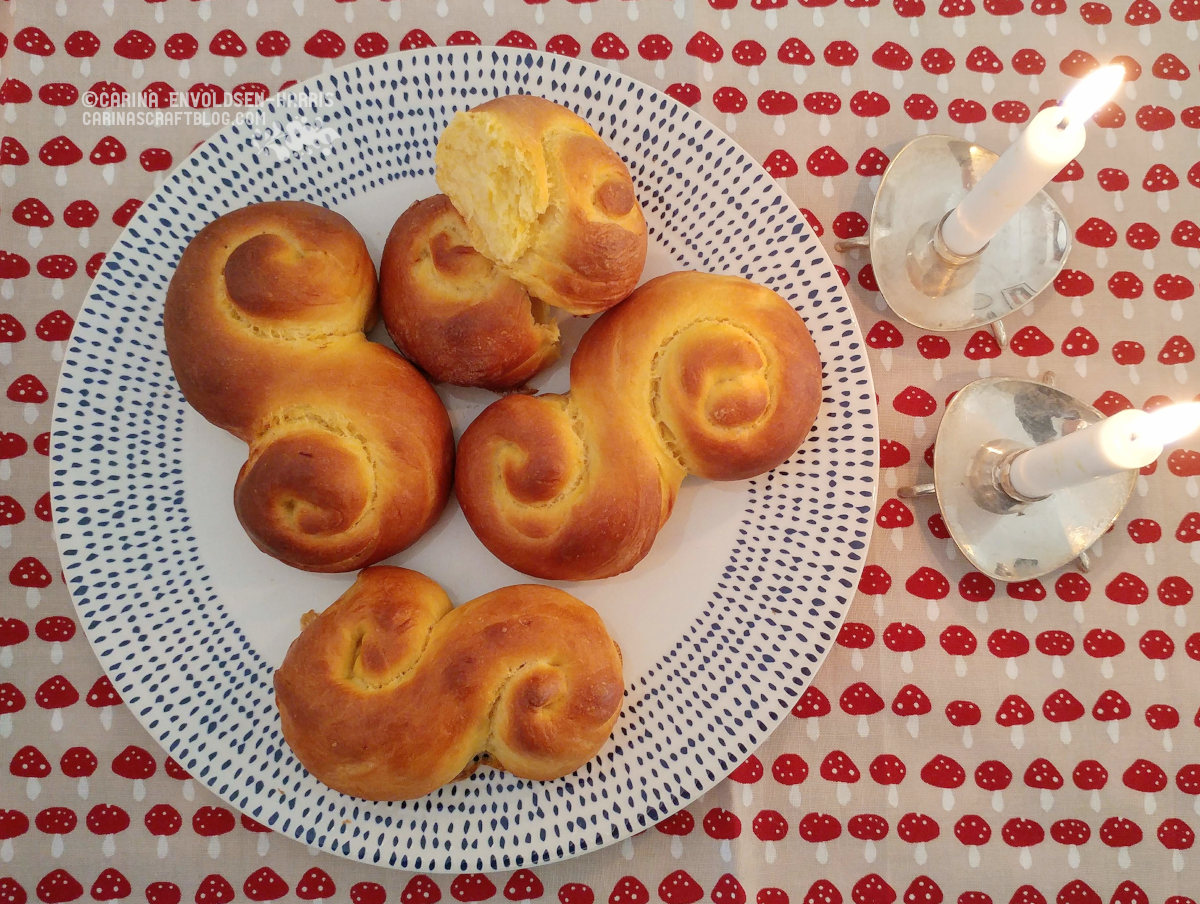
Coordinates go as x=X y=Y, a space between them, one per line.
x=934 y=268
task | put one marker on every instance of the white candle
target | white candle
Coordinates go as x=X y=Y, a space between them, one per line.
x=1052 y=139
x=1125 y=441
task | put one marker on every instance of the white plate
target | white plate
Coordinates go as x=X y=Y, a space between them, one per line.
x=722 y=626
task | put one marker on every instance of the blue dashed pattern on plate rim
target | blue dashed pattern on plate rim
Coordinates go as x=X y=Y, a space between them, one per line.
x=178 y=657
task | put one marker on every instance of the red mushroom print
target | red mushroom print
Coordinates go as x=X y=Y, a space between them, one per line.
x=55 y=694
x=1090 y=775
x=111 y=885
x=841 y=54
x=911 y=703
x=468 y=887
x=995 y=777
x=273 y=45
x=707 y=50
x=1014 y=713
x=930 y=585
x=256 y=828
x=1176 y=592
x=870 y=105
x=918 y=829
x=162 y=821
x=769 y=827
x=921 y=108
x=137 y=46
x=795 y=53
x=55 y=822
x=325 y=45
x=1009 y=645
x=79 y=763
x=917 y=404
x=676 y=888
x=103 y=696
x=318 y=885
x=610 y=48
x=856 y=637
x=11 y=512
x=1079 y=344
x=212 y=822
x=1031 y=343
x=1146 y=777
x=36 y=216
x=1177 y=352
x=60 y=152
x=812 y=705
x=972 y=832
x=1130 y=353
x=825 y=163
x=1044 y=776
x=883 y=336
x=215 y=889
x=895 y=59
x=875 y=582
x=938 y=62
x=676 y=827
x=779 y=104
x=655 y=48
x=13 y=631
x=780 y=164
x=1023 y=834
x=748 y=773
x=1111 y=708
x=820 y=829
x=227 y=44
x=790 y=770
x=1072 y=587
x=57 y=267
x=55 y=328
x=904 y=638
x=982 y=347
x=1161 y=180
x=730 y=101
x=264 y=884
x=106 y=154
x=81 y=215
x=967 y=113
x=35 y=42
x=108 y=821
x=181 y=47
x=888 y=770
x=83 y=45
x=55 y=630
x=1176 y=836
x=137 y=765
x=1103 y=644
x=1158 y=647
x=1122 y=834
x=57 y=886
x=1056 y=644
x=1129 y=590
x=1071 y=833
x=823 y=105
x=1163 y=718
x=723 y=826
x=958 y=640
x=750 y=54
x=946 y=773
x=838 y=768
x=30 y=764
x=893 y=515
x=872 y=889
x=868 y=828
x=31 y=574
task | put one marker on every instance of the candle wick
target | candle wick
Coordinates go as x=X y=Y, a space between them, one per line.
x=1064 y=123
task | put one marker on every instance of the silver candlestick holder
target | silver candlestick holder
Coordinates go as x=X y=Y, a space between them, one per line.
x=1002 y=533
x=924 y=281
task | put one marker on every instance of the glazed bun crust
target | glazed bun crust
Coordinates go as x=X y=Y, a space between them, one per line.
x=452 y=312
x=546 y=199
x=694 y=373
x=350 y=450
x=391 y=692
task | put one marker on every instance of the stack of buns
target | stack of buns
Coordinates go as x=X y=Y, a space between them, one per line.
x=536 y=211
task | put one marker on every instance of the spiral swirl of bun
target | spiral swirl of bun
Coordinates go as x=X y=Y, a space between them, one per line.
x=451 y=311
x=545 y=199
x=391 y=692
x=350 y=449
x=694 y=373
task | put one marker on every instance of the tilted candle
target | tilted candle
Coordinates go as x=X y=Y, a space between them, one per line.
x=1127 y=440
x=1052 y=140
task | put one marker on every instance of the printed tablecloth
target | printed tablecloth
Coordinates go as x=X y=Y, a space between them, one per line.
x=966 y=740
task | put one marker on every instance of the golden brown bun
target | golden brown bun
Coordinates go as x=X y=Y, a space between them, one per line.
x=694 y=373
x=451 y=311
x=546 y=199
x=390 y=692
x=351 y=451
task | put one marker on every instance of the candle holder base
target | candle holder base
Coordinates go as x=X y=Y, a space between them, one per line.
x=926 y=179
x=1005 y=536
